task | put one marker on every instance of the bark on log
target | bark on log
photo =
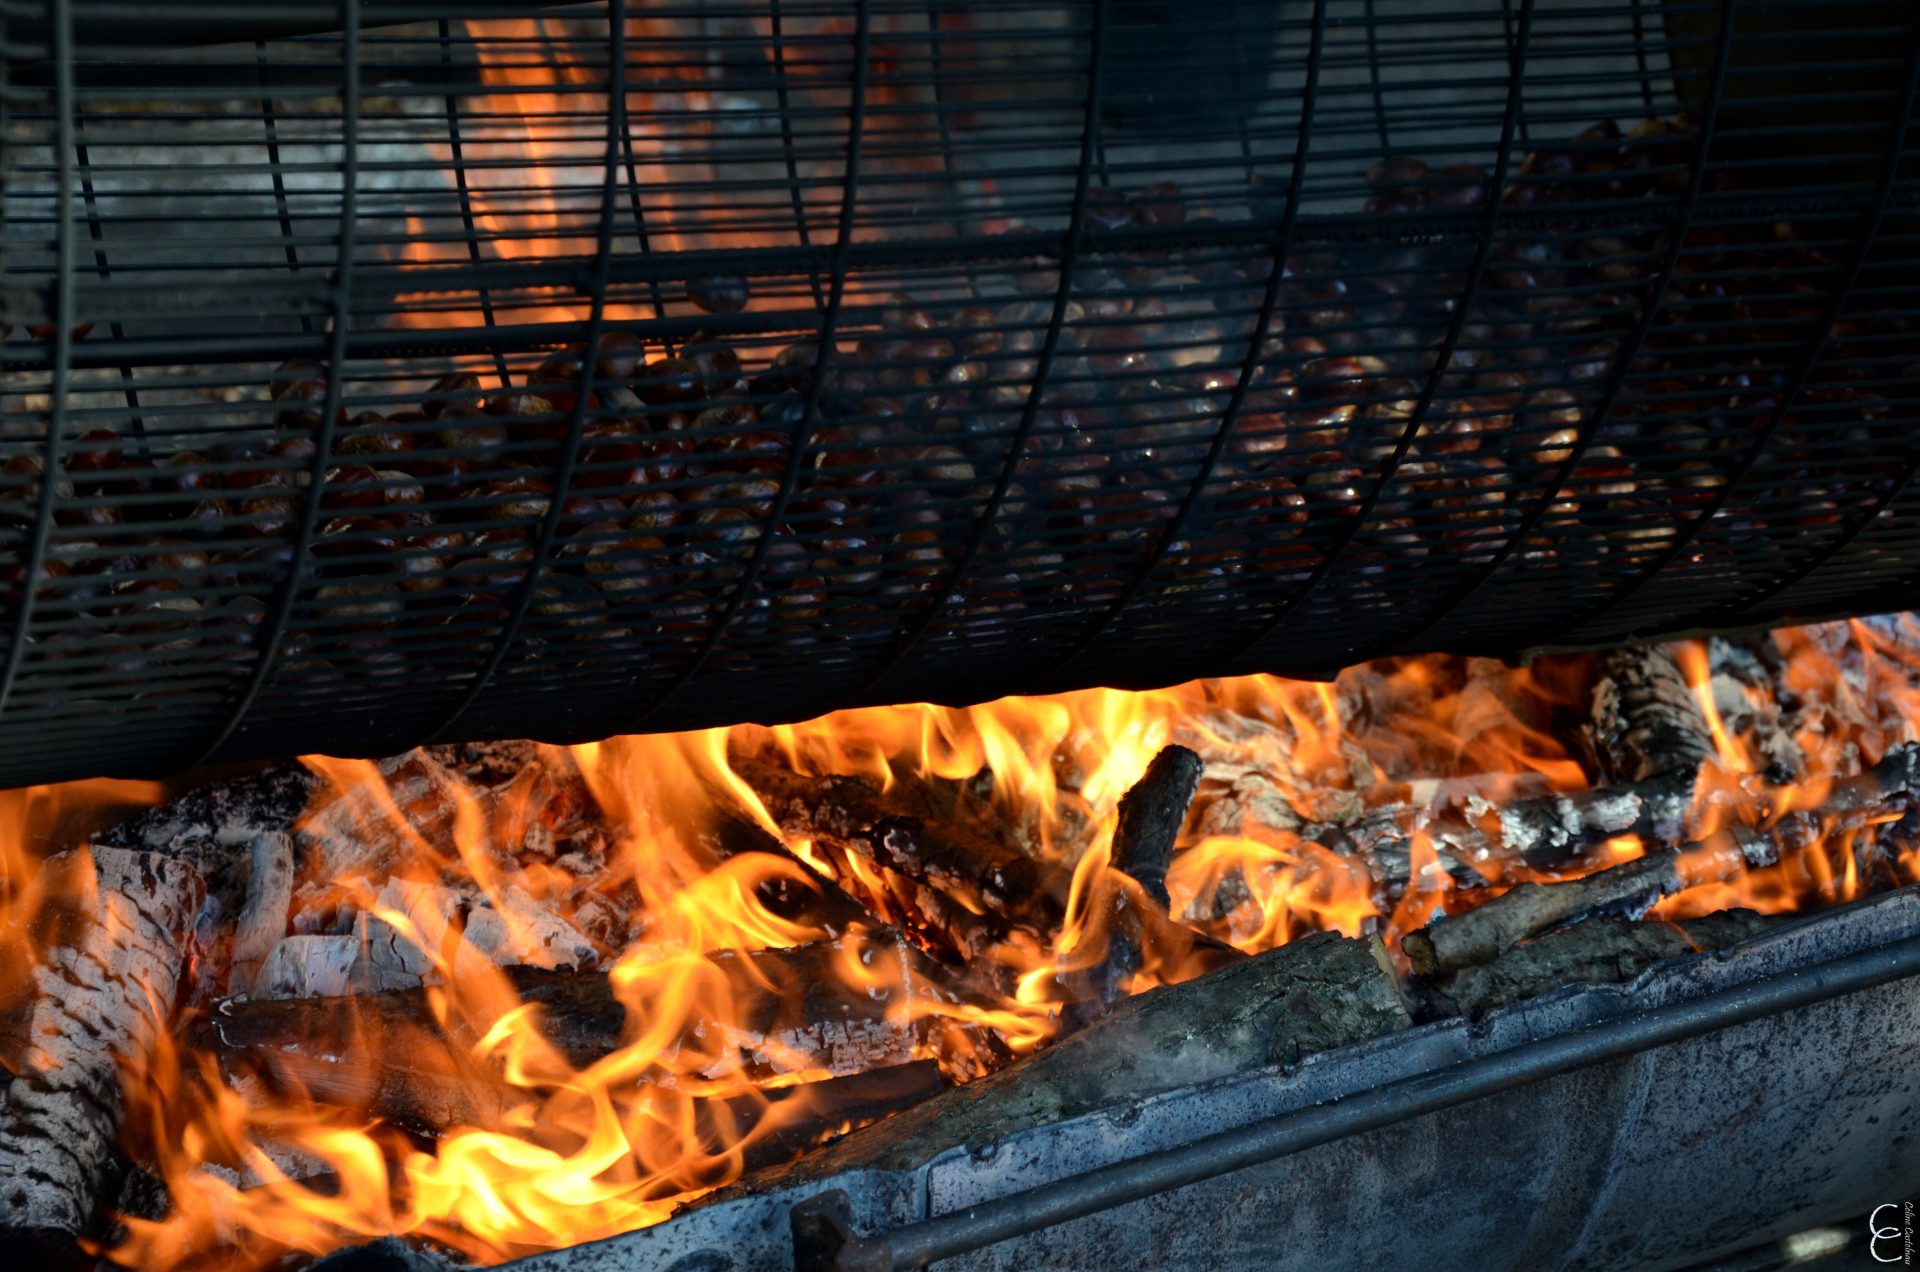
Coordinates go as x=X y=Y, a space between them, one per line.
x=1320 y=992
x=112 y=951
x=790 y=1010
x=1647 y=722
x=1600 y=951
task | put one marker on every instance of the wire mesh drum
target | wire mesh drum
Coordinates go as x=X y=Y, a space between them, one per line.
x=383 y=372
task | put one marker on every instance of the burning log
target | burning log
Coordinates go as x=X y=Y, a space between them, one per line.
x=792 y=1010
x=847 y=814
x=1151 y=815
x=1646 y=721
x=1480 y=935
x=1320 y=992
x=1596 y=952
x=355 y=833
x=112 y=954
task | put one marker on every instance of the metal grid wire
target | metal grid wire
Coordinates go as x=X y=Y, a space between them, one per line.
x=381 y=372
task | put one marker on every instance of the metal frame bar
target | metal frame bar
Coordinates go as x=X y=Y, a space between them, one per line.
x=1285 y=1134
x=576 y=418
x=743 y=584
x=455 y=152
x=1070 y=244
x=281 y=614
x=1443 y=356
x=61 y=20
x=1249 y=366
x=92 y=204
x=775 y=30
x=1629 y=349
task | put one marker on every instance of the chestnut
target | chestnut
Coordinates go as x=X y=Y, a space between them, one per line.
x=717 y=363
x=99 y=464
x=669 y=382
x=618 y=355
x=719 y=293
x=1160 y=204
x=1107 y=209
x=291 y=372
x=461 y=388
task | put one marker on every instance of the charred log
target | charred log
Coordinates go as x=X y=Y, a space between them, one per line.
x=1646 y=721
x=790 y=1010
x=1314 y=994
x=1151 y=815
x=110 y=953
x=1479 y=935
x=959 y=892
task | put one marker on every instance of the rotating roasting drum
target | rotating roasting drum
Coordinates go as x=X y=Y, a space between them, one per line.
x=937 y=351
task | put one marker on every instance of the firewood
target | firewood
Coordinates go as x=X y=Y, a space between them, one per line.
x=1646 y=721
x=849 y=810
x=263 y=913
x=1320 y=992
x=1888 y=788
x=355 y=831
x=1150 y=817
x=306 y=965
x=111 y=952
x=787 y=1010
x=1483 y=933
x=959 y=883
x=1599 y=951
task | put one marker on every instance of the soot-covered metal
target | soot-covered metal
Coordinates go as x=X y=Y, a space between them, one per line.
x=476 y=370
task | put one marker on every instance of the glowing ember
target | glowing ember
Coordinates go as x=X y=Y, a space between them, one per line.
x=552 y=1148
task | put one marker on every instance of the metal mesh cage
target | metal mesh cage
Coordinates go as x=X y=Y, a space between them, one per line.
x=937 y=351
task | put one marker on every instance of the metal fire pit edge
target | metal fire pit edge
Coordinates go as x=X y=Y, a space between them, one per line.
x=1667 y=1157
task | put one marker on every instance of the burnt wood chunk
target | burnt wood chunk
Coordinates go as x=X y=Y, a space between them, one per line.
x=1151 y=815
x=110 y=951
x=849 y=811
x=1647 y=723
x=1320 y=992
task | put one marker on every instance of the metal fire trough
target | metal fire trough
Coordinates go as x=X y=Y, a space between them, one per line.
x=1716 y=1102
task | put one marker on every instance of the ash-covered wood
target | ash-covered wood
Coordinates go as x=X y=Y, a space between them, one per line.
x=1888 y=789
x=765 y=1013
x=111 y=956
x=1320 y=992
x=1483 y=933
x=267 y=898
x=1647 y=723
x=1599 y=951
x=357 y=832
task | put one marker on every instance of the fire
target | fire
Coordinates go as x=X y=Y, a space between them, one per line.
x=553 y=1149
